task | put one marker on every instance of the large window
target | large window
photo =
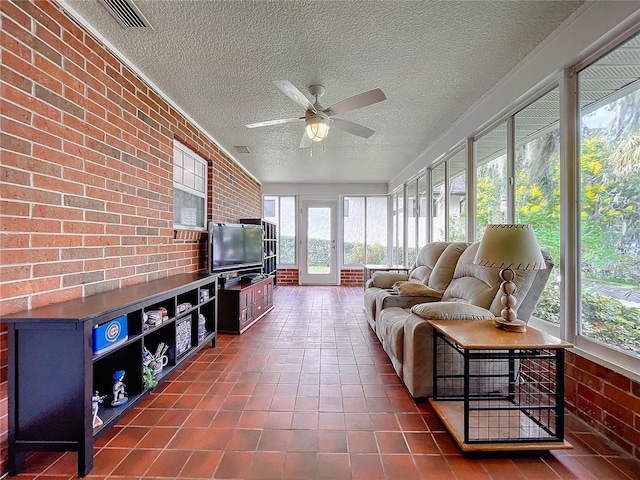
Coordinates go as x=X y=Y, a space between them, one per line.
x=491 y=178
x=457 y=198
x=189 y=188
x=412 y=217
x=609 y=201
x=397 y=200
x=281 y=210
x=423 y=198
x=438 y=199
x=537 y=187
x=449 y=199
x=365 y=230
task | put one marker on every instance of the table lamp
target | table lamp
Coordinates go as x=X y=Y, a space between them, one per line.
x=509 y=247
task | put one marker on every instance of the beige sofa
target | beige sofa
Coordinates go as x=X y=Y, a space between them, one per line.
x=455 y=288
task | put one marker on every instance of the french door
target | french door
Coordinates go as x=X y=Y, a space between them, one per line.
x=319 y=258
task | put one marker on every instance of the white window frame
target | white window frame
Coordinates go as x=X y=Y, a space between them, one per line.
x=278 y=223
x=186 y=151
x=366 y=198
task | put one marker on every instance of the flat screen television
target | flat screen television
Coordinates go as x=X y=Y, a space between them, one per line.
x=234 y=246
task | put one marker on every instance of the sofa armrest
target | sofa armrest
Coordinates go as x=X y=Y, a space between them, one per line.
x=451 y=311
x=386 y=299
x=387 y=279
x=417 y=365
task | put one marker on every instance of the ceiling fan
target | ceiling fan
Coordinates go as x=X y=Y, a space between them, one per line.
x=318 y=119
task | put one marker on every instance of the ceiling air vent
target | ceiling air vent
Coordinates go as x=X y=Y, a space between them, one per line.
x=241 y=149
x=127 y=14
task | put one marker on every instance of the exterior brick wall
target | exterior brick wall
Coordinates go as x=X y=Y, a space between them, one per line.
x=351 y=277
x=604 y=399
x=86 y=192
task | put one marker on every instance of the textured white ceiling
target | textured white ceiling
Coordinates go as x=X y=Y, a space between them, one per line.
x=216 y=60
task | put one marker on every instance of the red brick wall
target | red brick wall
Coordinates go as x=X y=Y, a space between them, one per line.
x=604 y=399
x=86 y=193
x=351 y=277
x=348 y=277
x=287 y=276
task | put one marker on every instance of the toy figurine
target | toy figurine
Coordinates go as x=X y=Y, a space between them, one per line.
x=96 y=400
x=119 y=392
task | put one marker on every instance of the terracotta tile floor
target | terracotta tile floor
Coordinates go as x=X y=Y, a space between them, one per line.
x=308 y=393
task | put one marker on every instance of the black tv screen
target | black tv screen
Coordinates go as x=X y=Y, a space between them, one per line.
x=234 y=246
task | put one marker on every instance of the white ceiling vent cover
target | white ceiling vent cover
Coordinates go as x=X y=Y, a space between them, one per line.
x=127 y=14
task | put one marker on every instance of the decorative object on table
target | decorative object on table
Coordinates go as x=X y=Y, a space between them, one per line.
x=119 y=389
x=509 y=247
x=96 y=400
x=183 y=336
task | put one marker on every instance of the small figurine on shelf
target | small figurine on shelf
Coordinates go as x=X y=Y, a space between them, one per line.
x=96 y=400
x=119 y=392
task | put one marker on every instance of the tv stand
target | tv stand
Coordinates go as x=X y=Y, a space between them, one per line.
x=242 y=304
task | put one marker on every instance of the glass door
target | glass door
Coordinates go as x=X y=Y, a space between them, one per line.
x=318 y=243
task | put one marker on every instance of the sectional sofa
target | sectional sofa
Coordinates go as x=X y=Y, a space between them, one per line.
x=444 y=283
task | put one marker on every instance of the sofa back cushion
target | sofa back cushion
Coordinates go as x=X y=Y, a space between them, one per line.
x=472 y=283
x=445 y=267
x=425 y=262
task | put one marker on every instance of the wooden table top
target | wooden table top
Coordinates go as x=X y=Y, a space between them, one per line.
x=483 y=335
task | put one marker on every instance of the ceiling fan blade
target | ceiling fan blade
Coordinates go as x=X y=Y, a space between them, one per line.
x=357 y=101
x=294 y=94
x=352 y=128
x=273 y=122
x=305 y=142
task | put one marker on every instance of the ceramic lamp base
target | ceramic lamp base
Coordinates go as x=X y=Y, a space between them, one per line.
x=513 y=326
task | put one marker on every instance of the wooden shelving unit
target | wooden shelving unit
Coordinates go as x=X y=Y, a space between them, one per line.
x=270 y=239
x=53 y=370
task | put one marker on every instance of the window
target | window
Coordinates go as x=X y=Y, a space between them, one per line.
x=438 y=228
x=537 y=187
x=189 y=188
x=457 y=195
x=491 y=175
x=398 y=227
x=609 y=201
x=282 y=212
x=365 y=230
x=422 y=212
x=412 y=214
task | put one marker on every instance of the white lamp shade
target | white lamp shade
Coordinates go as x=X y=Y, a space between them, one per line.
x=510 y=246
x=317 y=129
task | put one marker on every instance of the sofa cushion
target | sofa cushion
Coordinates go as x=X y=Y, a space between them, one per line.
x=414 y=289
x=473 y=284
x=451 y=311
x=386 y=279
x=426 y=261
x=445 y=266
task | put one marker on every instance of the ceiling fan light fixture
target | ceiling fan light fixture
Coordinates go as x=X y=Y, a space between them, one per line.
x=316 y=128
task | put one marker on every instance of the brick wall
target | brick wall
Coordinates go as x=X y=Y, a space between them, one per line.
x=351 y=277
x=287 y=276
x=604 y=399
x=86 y=194
x=348 y=277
